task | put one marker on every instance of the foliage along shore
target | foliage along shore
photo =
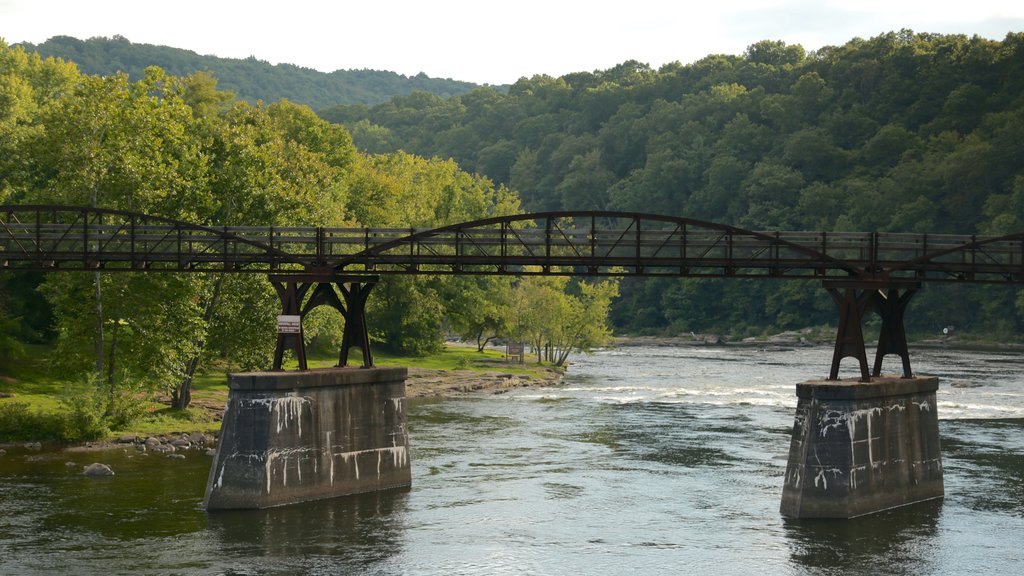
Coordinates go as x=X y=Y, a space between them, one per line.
x=181 y=148
x=36 y=407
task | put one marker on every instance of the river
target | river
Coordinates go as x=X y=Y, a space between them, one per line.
x=644 y=461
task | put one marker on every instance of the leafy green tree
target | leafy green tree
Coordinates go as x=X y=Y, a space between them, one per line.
x=479 y=307
x=116 y=144
x=884 y=150
x=770 y=191
x=406 y=316
x=1005 y=212
x=149 y=323
x=585 y=185
x=556 y=323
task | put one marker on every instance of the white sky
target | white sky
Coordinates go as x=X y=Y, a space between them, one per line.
x=490 y=42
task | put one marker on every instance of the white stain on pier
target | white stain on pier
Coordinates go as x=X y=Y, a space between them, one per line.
x=220 y=477
x=284 y=456
x=821 y=480
x=398 y=455
x=289 y=409
x=328 y=443
x=397 y=404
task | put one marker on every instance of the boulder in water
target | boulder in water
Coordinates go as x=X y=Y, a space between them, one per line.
x=97 y=469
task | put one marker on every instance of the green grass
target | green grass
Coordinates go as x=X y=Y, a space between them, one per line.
x=449 y=358
x=37 y=386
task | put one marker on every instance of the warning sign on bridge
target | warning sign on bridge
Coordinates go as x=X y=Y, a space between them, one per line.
x=289 y=324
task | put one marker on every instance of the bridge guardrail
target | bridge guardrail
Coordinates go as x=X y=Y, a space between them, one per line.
x=77 y=238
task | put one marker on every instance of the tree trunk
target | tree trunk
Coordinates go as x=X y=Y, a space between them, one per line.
x=110 y=370
x=563 y=356
x=99 y=325
x=181 y=396
x=481 y=345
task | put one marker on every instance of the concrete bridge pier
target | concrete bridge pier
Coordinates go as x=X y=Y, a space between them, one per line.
x=862 y=447
x=290 y=437
x=867 y=445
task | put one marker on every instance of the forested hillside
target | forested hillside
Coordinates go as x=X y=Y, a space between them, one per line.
x=181 y=148
x=250 y=79
x=901 y=132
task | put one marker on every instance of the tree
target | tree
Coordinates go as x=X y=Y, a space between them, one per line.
x=775 y=53
x=125 y=145
x=479 y=307
x=555 y=323
x=150 y=325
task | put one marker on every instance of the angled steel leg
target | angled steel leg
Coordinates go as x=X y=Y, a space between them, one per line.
x=291 y=294
x=849 y=334
x=356 y=334
x=890 y=305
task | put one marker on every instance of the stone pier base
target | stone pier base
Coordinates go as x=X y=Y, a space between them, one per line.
x=859 y=448
x=291 y=437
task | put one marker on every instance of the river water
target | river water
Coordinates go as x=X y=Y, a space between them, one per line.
x=645 y=461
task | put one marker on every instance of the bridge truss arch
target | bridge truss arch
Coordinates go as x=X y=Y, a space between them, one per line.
x=863 y=271
x=596 y=243
x=78 y=238
x=958 y=258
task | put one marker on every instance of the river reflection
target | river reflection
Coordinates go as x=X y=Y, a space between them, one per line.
x=358 y=531
x=645 y=461
x=892 y=542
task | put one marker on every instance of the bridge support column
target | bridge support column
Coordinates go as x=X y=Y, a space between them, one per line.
x=356 y=335
x=890 y=305
x=855 y=299
x=290 y=437
x=859 y=448
x=849 y=334
x=291 y=294
x=292 y=291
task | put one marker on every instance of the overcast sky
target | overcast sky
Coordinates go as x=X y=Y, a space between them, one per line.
x=491 y=42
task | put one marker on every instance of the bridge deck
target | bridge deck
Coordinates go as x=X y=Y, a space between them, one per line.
x=55 y=238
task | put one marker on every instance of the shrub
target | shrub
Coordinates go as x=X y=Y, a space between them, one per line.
x=18 y=421
x=83 y=416
x=92 y=410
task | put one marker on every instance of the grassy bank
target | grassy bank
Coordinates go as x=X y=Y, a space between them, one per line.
x=39 y=405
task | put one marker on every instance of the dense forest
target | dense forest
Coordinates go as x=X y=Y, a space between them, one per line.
x=250 y=79
x=181 y=148
x=901 y=132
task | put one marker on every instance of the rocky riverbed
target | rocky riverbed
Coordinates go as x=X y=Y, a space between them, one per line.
x=423 y=383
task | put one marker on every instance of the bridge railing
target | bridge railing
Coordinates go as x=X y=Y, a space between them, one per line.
x=603 y=244
x=626 y=245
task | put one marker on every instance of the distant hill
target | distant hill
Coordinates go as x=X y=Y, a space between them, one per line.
x=250 y=79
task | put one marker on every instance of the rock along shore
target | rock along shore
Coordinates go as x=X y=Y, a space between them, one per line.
x=424 y=383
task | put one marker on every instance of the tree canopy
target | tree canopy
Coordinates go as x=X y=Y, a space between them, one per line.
x=901 y=132
x=249 y=78
x=180 y=147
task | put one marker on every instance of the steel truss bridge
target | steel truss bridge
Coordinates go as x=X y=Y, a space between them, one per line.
x=863 y=271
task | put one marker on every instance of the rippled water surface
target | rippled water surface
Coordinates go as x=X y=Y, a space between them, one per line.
x=646 y=461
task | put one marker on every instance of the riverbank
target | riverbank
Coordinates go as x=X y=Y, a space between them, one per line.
x=421 y=383
x=425 y=383
x=31 y=407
